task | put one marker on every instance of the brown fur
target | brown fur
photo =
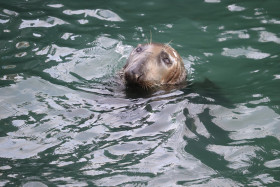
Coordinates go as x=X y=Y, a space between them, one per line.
x=153 y=65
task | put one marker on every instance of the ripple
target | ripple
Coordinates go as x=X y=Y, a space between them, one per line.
x=37 y=35
x=238 y=156
x=9 y=67
x=248 y=123
x=271 y=21
x=235 y=8
x=2 y=21
x=250 y=53
x=70 y=36
x=269 y=37
x=101 y=14
x=83 y=21
x=49 y=22
x=276 y=76
x=5 y=167
x=22 y=44
x=21 y=54
x=89 y=63
x=20 y=148
x=273 y=163
x=34 y=183
x=56 y=5
x=56 y=53
x=212 y=1
x=264 y=178
x=10 y=12
x=242 y=34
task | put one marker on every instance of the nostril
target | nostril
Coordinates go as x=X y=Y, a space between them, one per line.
x=132 y=75
x=128 y=75
x=138 y=76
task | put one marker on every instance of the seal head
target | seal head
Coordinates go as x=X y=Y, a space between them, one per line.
x=153 y=65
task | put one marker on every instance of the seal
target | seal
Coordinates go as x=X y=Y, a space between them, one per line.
x=153 y=65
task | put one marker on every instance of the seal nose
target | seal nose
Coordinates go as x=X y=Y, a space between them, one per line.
x=132 y=75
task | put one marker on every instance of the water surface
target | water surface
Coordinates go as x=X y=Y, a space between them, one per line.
x=65 y=121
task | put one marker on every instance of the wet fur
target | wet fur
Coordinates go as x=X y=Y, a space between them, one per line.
x=175 y=76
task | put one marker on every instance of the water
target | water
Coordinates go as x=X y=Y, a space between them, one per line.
x=65 y=120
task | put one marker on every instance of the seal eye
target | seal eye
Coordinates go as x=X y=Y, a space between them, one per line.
x=166 y=61
x=165 y=58
x=139 y=49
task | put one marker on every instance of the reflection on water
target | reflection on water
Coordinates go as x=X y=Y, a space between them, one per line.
x=66 y=120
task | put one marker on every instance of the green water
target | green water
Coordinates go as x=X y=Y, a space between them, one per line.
x=65 y=121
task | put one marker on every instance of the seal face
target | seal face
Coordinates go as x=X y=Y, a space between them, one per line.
x=153 y=65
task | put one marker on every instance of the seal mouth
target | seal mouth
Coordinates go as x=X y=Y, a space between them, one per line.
x=134 y=75
x=141 y=85
x=138 y=81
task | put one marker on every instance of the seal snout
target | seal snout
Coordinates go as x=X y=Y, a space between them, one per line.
x=133 y=75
